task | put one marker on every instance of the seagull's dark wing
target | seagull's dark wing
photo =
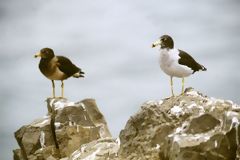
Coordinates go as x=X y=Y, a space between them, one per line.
x=187 y=60
x=66 y=66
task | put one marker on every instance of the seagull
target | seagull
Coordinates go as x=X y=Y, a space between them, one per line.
x=57 y=68
x=175 y=62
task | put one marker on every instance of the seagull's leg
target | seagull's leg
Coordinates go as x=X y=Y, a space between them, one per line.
x=62 y=88
x=53 y=88
x=171 y=82
x=183 y=85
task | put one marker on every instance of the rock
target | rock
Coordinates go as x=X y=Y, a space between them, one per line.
x=17 y=154
x=75 y=124
x=186 y=127
x=101 y=149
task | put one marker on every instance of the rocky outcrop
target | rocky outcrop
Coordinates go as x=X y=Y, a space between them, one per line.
x=66 y=127
x=102 y=149
x=186 y=127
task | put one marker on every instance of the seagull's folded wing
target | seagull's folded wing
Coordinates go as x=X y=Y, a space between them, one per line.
x=187 y=60
x=66 y=66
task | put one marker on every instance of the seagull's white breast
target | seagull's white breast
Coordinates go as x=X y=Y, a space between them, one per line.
x=169 y=63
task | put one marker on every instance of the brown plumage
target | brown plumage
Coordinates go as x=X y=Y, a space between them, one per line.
x=57 y=67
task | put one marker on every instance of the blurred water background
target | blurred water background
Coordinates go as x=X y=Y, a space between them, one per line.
x=111 y=41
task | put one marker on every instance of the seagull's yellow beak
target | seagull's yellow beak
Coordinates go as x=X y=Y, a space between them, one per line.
x=37 y=55
x=156 y=43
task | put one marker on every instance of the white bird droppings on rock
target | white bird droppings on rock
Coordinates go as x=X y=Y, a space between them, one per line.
x=57 y=124
x=177 y=111
x=191 y=106
x=70 y=104
x=92 y=156
x=83 y=106
x=70 y=123
x=118 y=141
x=59 y=105
x=41 y=123
x=42 y=139
x=235 y=121
x=157 y=146
x=215 y=144
x=236 y=107
x=192 y=93
x=189 y=140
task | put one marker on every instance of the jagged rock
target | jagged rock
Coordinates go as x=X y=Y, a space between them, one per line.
x=75 y=124
x=17 y=154
x=185 y=127
x=102 y=149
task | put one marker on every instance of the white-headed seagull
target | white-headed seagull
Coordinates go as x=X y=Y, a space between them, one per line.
x=175 y=62
x=57 y=68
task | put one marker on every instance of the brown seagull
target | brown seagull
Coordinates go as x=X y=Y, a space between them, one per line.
x=57 y=67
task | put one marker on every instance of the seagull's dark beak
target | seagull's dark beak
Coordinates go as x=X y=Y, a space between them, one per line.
x=157 y=43
x=37 y=55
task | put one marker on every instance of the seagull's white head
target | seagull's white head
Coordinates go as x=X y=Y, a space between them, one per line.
x=164 y=41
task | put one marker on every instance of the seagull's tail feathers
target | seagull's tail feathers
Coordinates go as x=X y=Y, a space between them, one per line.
x=203 y=68
x=79 y=74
